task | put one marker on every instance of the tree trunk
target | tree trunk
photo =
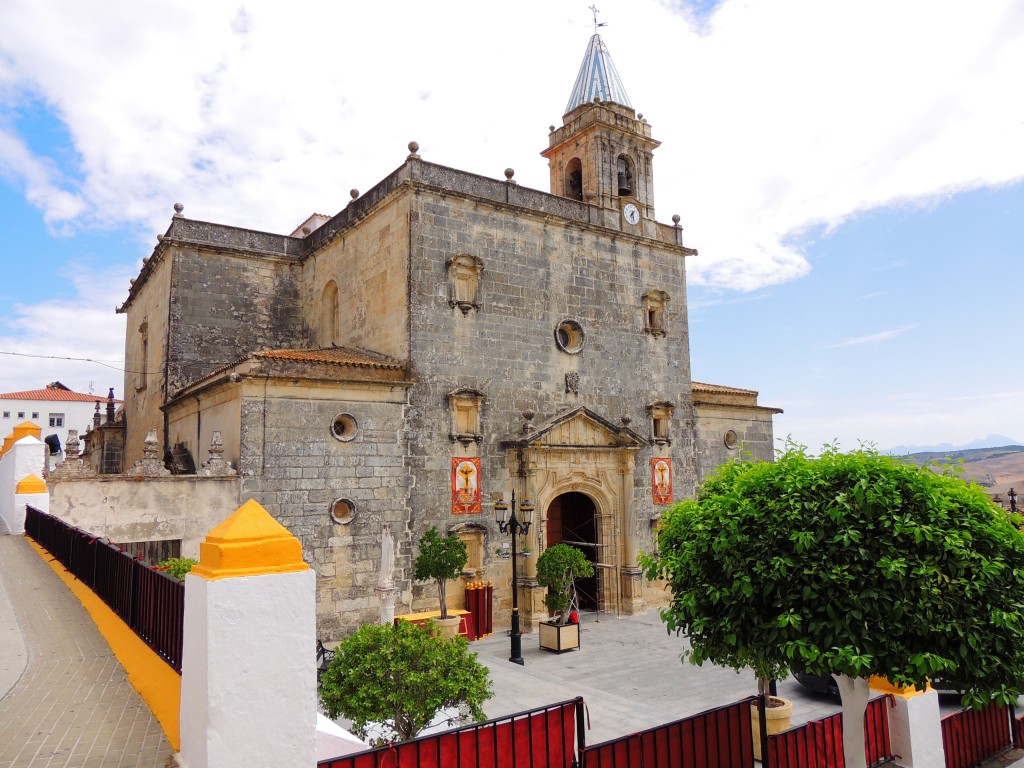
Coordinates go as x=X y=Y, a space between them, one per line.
x=441 y=598
x=854 y=692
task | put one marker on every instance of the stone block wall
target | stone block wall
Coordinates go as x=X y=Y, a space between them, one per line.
x=225 y=306
x=296 y=469
x=537 y=272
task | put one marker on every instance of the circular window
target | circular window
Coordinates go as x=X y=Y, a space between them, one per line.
x=569 y=336
x=344 y=427
x=731 y=439
x=342 y=511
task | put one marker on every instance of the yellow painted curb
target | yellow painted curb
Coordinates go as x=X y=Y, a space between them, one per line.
x=157 y=684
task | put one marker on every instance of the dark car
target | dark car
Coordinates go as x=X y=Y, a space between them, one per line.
x=819 y=683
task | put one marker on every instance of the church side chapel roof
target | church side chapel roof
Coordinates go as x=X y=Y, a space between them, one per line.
x=718 y=394
x=597 y=78
x=325 y=364
x=337 y=355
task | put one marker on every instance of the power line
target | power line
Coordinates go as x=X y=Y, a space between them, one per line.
x=73 y=359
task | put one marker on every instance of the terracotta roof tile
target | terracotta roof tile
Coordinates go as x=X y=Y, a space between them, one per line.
x=53 y=394
x=333 y=355
x=699 y=386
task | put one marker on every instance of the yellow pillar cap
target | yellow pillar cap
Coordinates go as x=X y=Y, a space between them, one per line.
x=249 y=543
x=882 y=684
x=25 y=429
x=31 y=484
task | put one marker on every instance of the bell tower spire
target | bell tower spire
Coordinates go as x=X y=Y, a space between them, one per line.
x=603 y=152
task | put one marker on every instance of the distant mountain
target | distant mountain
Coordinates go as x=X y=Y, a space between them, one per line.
x=995 y=469
x=992 y=441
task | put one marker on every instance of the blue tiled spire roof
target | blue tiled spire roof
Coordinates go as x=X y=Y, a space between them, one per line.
x=597 y=78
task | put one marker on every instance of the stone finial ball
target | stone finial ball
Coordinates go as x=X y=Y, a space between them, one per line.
x=528 y=415
x=626 y=420
x=509 y=173
x=353 y=193
x=675 y=218
x=414 y=147
x=178 y=207
x=551 y=128
x=639 y=115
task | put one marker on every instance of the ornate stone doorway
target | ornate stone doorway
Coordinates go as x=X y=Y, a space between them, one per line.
x=579 y=467
x=572 y=519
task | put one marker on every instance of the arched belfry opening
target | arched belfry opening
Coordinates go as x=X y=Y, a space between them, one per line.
x=572 y=520
x=574 y=179
x=624 y=175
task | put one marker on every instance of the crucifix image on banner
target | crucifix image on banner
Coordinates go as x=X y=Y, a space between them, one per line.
x=466 y=486
x=661 y=481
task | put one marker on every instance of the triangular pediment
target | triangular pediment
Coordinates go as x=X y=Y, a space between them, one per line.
x=580 y=428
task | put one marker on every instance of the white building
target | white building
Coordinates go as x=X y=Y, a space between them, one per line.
x=55 y=409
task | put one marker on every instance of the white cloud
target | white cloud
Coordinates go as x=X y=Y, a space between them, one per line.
x=872 y=338
x=49 y=337
x=776 y=118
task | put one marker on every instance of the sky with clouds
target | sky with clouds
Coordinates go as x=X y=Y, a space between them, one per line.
x=852 y=173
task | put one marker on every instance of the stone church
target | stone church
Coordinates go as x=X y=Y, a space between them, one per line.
x=444 y=340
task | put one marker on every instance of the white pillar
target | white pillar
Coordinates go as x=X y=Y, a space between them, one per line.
x=248 y=685
x=915 y=729
x=23 y=457
x=31 y=491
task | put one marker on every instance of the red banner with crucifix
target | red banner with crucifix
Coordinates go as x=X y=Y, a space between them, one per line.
x=466 y=486
x=661 y=481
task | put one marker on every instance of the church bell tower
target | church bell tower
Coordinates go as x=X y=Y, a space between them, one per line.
x=603 y=152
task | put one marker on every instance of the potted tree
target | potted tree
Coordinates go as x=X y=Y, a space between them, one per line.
x=558 y=567
x=440 y=560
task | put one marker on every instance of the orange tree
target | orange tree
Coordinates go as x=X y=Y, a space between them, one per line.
x=852 y=565
x=392 y=680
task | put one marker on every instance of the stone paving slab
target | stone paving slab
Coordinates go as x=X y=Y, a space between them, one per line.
x=629 y=673
x=72 y=705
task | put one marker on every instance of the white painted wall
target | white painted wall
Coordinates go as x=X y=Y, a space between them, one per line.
x=26 y=457
x=126 y=509
x=248 y=682
x=76 y=416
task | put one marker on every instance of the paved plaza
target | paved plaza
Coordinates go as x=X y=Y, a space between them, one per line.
x=65 y=700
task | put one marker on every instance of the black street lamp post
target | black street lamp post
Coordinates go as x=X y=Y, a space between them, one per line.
x=1013 y=500
x=514 y=526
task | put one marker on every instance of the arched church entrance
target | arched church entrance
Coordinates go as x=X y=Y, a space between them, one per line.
x=572 y=519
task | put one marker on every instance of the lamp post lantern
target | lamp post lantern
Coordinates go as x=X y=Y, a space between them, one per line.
x=1012 y=494
x=513 y=525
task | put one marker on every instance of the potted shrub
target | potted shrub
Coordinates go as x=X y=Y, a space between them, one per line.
x=440 y=560
x=558 y=567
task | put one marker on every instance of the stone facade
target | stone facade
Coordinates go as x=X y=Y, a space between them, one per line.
x=443 y=315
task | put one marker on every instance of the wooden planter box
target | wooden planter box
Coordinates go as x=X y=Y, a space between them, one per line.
x=559 y=638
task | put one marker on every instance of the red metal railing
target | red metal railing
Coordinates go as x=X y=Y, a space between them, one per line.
x=150 y=602
x=716 y=738
x=537 y=738
x=970 y=736
x=819 y=744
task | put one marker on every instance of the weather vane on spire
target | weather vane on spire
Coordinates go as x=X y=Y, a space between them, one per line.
x=596 y=24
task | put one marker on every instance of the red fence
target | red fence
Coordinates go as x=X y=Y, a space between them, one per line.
x=970 y=736
x=819 y=744
x=717 y=738
x=538 y=738
x=150 y=602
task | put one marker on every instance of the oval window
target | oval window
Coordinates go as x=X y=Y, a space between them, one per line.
x=569 y=336
x=342 y=511
x=731 y=439
x=344 y=427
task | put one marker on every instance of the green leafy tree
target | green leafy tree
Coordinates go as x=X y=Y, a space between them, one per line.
x=852 y=565
x=401 y=675
x=558 y=567
x=177 y=566
x=440 y=560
